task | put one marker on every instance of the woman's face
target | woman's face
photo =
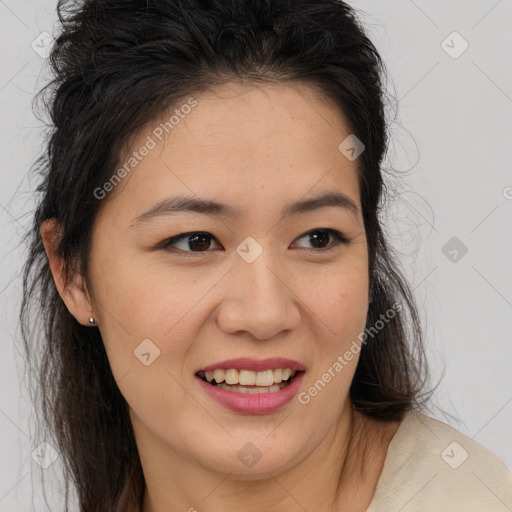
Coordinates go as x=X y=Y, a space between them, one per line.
x=266 y=279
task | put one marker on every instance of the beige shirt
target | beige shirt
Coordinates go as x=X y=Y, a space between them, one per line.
x=432 y=467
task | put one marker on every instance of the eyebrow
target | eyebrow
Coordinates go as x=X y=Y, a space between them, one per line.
x=180 y=204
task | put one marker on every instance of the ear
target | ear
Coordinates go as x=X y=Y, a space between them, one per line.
x=73 y=292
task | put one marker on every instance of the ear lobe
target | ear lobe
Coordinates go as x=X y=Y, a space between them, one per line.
x=72 y=292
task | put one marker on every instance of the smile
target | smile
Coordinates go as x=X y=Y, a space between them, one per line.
x=251 y=386
x=248 y=381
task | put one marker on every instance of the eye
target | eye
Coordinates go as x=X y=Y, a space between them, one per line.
x=200 y=241
x=319 y=237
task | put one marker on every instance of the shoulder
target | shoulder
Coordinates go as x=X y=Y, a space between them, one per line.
x=431 y=466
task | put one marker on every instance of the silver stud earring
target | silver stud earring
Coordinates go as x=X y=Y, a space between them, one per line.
x=92 y=321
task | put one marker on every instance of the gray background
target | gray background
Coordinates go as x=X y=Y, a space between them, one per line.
x=452 y=148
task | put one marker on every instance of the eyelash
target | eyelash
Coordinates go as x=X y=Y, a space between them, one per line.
x=338 y=237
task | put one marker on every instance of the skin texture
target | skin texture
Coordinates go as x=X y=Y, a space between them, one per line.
x=256 y=148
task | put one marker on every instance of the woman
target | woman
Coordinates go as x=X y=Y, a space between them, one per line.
x=202 y=349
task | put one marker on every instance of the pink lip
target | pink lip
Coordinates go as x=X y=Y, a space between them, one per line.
x=255 y=365
x=261 y=403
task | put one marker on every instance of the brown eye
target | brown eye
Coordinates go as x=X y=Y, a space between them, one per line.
x=190 y=242
x=200 y=241
x=319 y=238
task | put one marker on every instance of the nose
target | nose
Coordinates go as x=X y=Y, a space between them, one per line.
x=259 y=299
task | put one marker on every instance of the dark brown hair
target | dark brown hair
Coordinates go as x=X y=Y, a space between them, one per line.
x=117 y=65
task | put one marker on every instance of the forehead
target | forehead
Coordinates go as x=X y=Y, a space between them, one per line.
x=267 y=122
x=274 y=143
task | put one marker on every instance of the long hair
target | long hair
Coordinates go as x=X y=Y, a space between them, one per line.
x=118 y=65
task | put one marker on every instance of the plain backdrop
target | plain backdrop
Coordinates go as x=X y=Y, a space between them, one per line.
x=450 y=70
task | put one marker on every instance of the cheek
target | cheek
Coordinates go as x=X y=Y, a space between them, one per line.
x=169 y=306
x=338 y=297
x=147 y=332
x=144 y=297
x=341 y=306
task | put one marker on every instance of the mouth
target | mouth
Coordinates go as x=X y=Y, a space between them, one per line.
x=252 y=386
x=249 y=382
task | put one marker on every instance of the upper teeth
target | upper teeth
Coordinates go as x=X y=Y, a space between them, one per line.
x=250 y=378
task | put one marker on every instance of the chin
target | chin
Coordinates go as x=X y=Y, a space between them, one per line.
x=254 y=460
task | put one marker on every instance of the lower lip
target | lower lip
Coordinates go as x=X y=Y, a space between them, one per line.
x=260 y=403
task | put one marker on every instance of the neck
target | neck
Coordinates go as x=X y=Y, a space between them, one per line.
x=330 y=476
